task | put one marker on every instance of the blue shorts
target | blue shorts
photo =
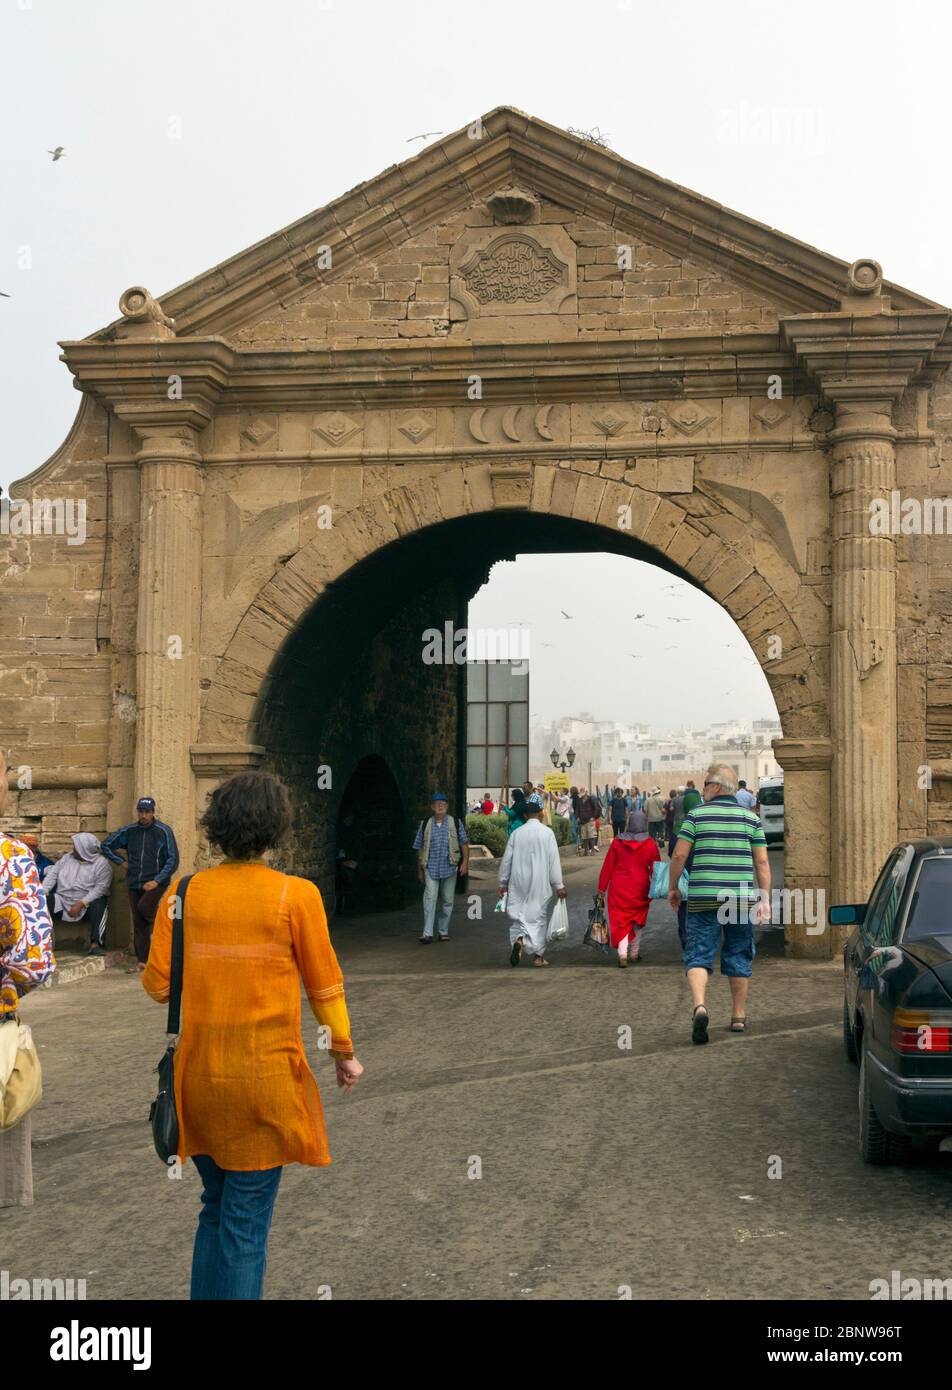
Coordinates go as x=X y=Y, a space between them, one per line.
x=703 y=934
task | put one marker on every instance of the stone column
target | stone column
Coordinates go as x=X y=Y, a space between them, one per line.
x=168 y=626
x=806 y=868
x=863 y=650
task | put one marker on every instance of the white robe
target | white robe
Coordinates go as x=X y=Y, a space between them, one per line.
x=532 y=869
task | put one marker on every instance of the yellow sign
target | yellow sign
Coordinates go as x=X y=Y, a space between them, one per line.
x=556 y=781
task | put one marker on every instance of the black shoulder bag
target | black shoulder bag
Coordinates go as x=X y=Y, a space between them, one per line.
x=162 y=1114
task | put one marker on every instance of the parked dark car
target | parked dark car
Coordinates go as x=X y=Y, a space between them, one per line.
x=897 y=1004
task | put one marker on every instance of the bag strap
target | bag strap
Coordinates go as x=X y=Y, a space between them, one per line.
x=178 y=957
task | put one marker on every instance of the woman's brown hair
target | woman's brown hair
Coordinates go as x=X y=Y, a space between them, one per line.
x=248 y=814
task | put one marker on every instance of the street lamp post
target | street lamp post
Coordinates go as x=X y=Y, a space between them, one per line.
x=557 y=760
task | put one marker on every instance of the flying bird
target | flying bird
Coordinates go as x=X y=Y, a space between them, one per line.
x=57 y=153
x=634 y=657
x=5 y=295
x=564 y=614
x=638 y=615
x=679 y=620
x=425 y=136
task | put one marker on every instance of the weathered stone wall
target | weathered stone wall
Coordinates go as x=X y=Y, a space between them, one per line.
x=339 y=696
x=408 y=293
x=55 y=695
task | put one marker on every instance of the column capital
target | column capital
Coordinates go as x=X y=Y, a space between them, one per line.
x=803 y=754
x=864 y=355
x=225 y=759
x=159 y=386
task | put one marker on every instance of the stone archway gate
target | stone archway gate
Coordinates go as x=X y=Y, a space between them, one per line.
x=515 y=319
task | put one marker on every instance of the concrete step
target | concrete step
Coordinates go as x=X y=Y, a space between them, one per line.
x=70 y=968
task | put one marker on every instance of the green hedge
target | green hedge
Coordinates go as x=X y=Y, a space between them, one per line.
x=563 y=829
x=491 y=831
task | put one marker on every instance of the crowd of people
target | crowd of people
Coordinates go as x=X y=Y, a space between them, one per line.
x=715 y=846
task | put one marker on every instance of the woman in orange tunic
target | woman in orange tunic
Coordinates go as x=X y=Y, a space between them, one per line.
x=247 y=1102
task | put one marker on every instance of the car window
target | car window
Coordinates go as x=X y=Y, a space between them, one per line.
x=931 y=909
x=770 y=796
x=880 y=924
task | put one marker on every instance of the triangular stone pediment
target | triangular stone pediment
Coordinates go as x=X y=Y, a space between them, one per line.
x=442 y=247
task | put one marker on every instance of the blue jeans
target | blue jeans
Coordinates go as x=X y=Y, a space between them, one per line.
x=442 y=890
x=231 y=1243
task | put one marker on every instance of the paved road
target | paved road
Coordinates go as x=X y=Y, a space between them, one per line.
x=601 y=1167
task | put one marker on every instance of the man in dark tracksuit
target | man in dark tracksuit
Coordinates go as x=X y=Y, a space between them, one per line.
x=152 y=856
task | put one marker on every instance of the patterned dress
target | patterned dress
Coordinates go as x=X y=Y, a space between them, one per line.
x=26 y=932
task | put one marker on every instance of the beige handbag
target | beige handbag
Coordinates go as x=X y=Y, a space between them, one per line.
x=21 y=1081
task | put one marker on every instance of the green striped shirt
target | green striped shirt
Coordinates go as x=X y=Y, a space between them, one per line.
x=723 y=836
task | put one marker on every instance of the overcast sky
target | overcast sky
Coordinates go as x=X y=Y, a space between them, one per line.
x=684 y=661
x=193 y=128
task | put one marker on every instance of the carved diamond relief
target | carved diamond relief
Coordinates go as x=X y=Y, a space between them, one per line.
x=416 y=428
x=688 y=419
x=336 y=427
x=609 y=423
x=258 y=432
x=771 y=415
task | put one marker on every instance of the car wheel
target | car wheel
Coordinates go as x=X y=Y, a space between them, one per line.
x=849 y=1040
x=877 y=1144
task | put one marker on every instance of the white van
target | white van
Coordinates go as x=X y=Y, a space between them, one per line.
x=770 y=806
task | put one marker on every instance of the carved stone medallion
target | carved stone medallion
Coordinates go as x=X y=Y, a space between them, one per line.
x=513 y=268
x=510 y=272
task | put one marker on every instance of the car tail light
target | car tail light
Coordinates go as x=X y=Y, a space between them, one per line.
x=921 y=1032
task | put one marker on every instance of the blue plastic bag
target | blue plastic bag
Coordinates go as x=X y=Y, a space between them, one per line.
x=660 y=875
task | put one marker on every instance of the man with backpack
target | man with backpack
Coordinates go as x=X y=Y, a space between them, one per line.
x=442 y=850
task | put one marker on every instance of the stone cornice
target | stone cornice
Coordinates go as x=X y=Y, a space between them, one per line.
x=863 y=357
x=132 y=377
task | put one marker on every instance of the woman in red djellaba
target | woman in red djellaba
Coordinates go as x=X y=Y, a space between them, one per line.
x=626 y=879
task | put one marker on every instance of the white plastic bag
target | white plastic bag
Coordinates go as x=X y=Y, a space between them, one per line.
x=558 y=928
x=501 y=903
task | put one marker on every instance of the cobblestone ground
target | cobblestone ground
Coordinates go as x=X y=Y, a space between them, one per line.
x=601 y=1167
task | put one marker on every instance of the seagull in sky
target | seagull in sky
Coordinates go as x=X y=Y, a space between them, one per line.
x=679 y=620
x=634 y=657
x=425 y=135
x=5 y=295
x=638 y=615
x=564 y=614
x=57 y=153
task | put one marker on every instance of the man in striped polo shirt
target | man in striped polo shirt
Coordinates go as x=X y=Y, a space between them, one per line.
x=728 y=849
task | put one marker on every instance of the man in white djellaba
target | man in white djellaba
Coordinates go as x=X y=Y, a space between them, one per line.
x=530 y=873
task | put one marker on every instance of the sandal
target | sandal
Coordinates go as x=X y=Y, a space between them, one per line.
x=699 y=1024
x=515 y=955
x=739 y=1025
x=540 y=960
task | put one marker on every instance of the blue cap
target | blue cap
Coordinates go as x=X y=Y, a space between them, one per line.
x=535 y=800
x=145 y=803
x=439 y=796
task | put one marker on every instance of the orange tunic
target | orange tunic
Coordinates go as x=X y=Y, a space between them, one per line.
x=244 y=1092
